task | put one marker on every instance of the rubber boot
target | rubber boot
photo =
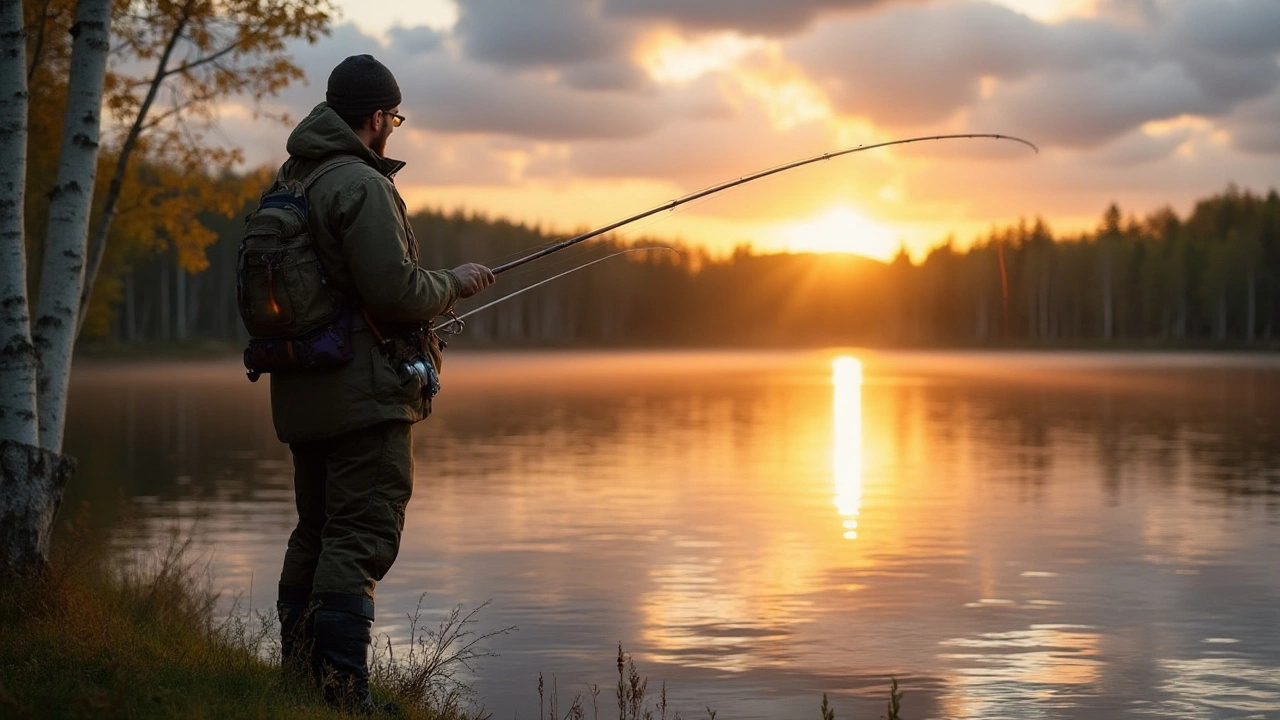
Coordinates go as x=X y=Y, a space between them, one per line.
x=297 y=633
x=342 y=639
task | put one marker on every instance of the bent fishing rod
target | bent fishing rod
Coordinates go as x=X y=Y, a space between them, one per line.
x=671 y=204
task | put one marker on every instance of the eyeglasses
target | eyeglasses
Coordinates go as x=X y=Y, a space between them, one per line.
x=396 y=119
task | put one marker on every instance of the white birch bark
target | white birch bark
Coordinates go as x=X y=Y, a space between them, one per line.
x=62 y=278
x=17 y=355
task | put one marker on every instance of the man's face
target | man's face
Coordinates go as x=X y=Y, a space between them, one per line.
x=386 y=123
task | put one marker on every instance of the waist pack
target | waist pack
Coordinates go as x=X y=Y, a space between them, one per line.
x=294 y=320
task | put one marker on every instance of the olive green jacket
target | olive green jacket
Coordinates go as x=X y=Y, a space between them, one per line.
x=361 y=233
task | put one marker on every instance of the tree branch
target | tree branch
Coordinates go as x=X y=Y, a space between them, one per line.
x=177 y=109
x=203 y=61
x=99 y=241
x=39 y=47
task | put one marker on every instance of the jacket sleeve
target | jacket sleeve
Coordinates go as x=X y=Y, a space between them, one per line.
x=375 y=244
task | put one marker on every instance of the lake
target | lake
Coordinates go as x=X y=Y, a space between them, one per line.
x=1009 y=535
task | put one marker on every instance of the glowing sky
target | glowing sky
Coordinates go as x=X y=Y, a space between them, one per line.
x=573 y=113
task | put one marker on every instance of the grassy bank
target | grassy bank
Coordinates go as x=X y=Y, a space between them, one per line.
x=81 y=643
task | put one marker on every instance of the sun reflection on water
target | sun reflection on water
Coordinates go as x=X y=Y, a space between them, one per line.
x=846 y=454
x=1022 y=673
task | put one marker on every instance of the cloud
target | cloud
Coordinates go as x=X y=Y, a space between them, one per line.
x=566 y=37
x=1226 y=81
x=609 y=75
x=521 y=34
x=910 y=66
x=446 y=93
x=756 y=17
x=1256 y=127
x=414 y=40
x=1228 y=28
x=1079 y=83
x=694 y=152
x=456 y=97
x=437 y=160
x=1089 y=108
x=1141 y=148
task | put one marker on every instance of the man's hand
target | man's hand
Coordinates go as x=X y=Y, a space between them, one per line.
x=473 y=277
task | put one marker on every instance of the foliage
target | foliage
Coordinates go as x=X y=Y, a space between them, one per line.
x=177 y=66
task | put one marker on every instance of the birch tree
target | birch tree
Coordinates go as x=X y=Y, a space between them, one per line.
x=34 y=472
x=198 y=52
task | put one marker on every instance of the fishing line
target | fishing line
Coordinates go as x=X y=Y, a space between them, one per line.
x=572 y=260
x=457 y=319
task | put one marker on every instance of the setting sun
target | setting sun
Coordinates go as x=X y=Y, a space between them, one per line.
x=840 y=229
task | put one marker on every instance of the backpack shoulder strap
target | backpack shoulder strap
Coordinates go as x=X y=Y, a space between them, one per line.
x=333 y=162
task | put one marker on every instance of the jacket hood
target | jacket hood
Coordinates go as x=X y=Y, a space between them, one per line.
x=322 y=133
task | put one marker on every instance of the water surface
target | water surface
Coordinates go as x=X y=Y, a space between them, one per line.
x=1009 y=535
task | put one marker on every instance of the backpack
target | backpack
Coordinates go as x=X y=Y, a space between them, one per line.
x=293 y=318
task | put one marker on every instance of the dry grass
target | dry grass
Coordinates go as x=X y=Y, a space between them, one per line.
x=429 y=671
x=144 y=641
x=633 y=703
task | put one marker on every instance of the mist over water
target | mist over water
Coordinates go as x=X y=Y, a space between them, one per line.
x=1008 y=534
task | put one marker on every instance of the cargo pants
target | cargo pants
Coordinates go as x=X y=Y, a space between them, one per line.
x=351 y=492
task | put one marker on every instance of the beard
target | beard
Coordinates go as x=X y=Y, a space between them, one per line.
x=379 y=145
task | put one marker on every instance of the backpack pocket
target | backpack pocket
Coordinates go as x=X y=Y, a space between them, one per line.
x=281 y=284
x=328 y=346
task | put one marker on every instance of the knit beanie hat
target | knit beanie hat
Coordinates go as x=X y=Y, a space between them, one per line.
x=360 y=85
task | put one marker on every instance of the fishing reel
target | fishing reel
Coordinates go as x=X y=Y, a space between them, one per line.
x=424 y=372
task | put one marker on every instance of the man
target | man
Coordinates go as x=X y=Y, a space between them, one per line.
x=349 y=427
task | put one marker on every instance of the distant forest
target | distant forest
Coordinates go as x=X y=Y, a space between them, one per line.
x=1211 y=278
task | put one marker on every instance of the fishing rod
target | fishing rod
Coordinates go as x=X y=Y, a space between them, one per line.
x=458 y=319
x=740 y=181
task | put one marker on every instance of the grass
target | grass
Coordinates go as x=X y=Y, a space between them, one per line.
x=146 y=642
x=634 y=703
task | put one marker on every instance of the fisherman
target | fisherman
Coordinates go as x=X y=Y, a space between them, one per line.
x=349 y=428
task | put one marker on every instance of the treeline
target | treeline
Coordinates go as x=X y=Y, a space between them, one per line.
x=1212 y=277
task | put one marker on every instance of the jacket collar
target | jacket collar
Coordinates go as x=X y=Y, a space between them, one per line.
x=322 y=134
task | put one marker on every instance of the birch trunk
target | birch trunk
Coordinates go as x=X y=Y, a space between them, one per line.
x=62 y=277
x=17 y=354
x=31 y=484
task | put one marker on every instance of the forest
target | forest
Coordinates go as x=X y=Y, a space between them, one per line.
x=1211 y=278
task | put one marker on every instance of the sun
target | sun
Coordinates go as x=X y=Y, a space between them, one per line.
x=840 y=229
